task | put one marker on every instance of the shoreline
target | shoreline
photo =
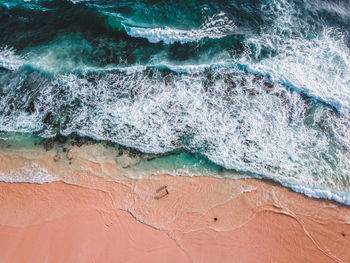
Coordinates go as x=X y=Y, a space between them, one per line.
x=134 y=164
x=91 y=204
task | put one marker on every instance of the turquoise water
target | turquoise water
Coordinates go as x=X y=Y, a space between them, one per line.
x=19 y=140
x=179 y=163
x=260 y=88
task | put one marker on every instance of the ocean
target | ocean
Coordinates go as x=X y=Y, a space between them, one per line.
x=255 y=88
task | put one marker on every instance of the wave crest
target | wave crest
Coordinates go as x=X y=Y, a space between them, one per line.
x=217 y=26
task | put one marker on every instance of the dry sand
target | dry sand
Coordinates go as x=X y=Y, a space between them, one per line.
x=96 y=214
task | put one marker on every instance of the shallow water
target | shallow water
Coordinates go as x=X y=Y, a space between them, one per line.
x=260 y=88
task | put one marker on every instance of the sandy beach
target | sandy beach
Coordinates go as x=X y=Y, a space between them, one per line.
x=91 y=212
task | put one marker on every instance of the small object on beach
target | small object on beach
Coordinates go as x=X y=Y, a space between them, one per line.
x=161 y=192
x=343 y=234
x=164 y=187
x=215 y=219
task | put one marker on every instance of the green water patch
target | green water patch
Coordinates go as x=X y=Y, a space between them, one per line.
x=16 y=140
x=179 y=163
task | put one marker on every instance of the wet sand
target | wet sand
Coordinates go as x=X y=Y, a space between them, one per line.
x=94 y=213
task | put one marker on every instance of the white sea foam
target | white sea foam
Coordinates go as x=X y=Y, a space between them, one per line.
x=217 y=26
x=139 y=68
x=183 y=68
x=29 y=174
x=318 y=65
x=9 y=60
x=323 y=193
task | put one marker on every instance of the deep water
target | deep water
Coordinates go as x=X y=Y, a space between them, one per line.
x=260 y=88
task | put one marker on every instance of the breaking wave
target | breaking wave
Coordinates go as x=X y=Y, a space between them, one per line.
x=217 y=26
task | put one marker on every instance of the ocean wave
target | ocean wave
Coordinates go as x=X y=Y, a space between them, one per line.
x=9 y=60
x=47 y=67
x=321 y=193
x=315 y=64
x=317 y=67
x=187 y=69
x=215 y=27
x=74 y=54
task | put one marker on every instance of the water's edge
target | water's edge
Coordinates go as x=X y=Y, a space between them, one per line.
x=138 y=165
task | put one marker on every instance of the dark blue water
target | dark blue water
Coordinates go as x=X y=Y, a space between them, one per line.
x=256 y=87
